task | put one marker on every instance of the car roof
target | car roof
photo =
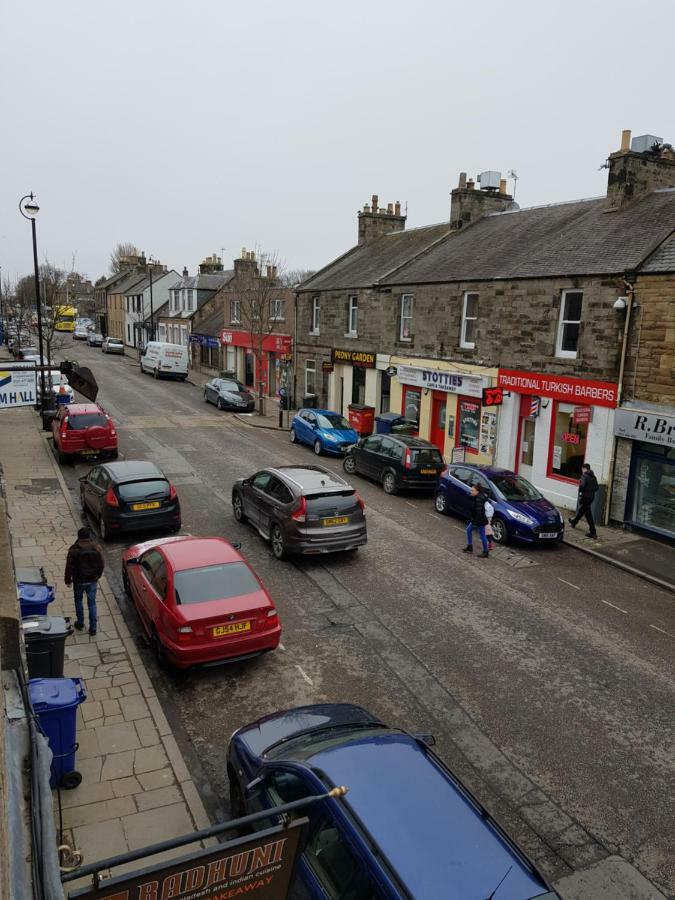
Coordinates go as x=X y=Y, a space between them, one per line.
x=489 y=471
x=76 y=409
x=193 y=552
x=410 y=441
x=321 y=412
x=133 y=469
x=310 y=479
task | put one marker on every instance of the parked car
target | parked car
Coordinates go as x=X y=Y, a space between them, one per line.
x=301 y=509
x=94 y=338
x=27 y=352
x=408 y=827
x=16 y=339
x=83 y=429
x=325 y=431
x=521 y=511
x=227 y=393
x=112 y=345
x=58 y=383
x=397 y=461
x=133 y=495
x=199 y=601
x=159 y=358
x=80 y=333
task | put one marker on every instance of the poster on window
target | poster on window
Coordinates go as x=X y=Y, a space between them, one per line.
x=469 y=424
x=488 y=432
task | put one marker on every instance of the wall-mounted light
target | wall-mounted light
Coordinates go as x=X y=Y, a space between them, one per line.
x=620 y=303
x=545 y=402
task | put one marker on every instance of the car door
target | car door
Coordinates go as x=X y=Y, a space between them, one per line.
x=273 y=504
x=389 y=456
x=310 y=428
x=88 y=489
x=254 y=496
x=145 y=592
x=368 y=454
x=459 y=489
x=98 y=488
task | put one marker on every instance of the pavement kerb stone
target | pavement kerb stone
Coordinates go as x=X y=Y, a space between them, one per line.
x=666 y=585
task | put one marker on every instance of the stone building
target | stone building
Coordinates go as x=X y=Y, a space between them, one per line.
x=187 y=296
x=421 y=321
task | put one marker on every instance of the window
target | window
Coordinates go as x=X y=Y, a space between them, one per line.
x=310 y=376
x=372 y=444
x=468 y=424
x=280 y=492
x=406 y=317
x=339 y=872
x=235 y=311
x=412 y=400
x=358 y=385
x=276 y=308
x=570 y=324
x=469 y=316
x=353 y=316
x=568 y=443
x=191 y=300
x=128 y=334
x=652 y=488
x=316 y=315
x=230 y=359
x=162 y=331
x=261 y=480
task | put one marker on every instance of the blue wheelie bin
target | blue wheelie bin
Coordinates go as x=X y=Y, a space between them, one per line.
x=34 y=598
x=55 y=702
x=384 y=422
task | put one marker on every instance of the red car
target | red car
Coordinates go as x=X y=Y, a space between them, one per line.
x=199 y=601
x=84 y=429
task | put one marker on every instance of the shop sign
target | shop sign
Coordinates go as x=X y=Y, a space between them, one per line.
x=570 y=438
x=353 y=358
x=582 y=415
x=18 y=389
x=644 y=426
x=493 y=396
x=560 y=387
x=204 y=340
x=327 y=367
x=469 y=413
x=272 y=343
x=436 y=380
x=458 y=455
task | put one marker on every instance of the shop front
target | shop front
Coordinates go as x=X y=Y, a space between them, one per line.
x=550 y=425
x=355 y=379
x=238 y=356
x=647 y=432
x=446 y=407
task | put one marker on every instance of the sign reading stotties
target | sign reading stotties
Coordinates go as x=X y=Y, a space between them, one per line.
x=361 y=358
x=560 y=387
x=437 y=380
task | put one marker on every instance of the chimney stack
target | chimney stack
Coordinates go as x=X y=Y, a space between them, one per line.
x=374 y=206
x=462 y=180
x=469 y=205
x=642 y=165
x=397 y=208
x=502 y=185
x=625 y=140
x=374 y=222
x=185 y=272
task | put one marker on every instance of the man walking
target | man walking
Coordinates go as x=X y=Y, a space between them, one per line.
x=588 y=486
x=478 y=521
x=84 y=567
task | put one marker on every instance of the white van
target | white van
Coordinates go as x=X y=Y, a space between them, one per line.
x=160 y=359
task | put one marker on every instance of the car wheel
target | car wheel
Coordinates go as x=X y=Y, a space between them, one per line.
x=389 y=483
x=183 y=378
x=220 y=404
x=125 y=583
x=114 y=454
x=176 y=528
x=83 y=505
x=238 y=508
x=441 y=504
x=278 y=543
x=349 y=464
x=156 y=373
x=206 y=397
x=294 y=437
x=102 y=529
x=318 y=447
x=500 y=532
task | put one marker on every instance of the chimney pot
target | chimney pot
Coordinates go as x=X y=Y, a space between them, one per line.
x=397 y=208
x=462 y=180
x=625 y=140
x=470 y=184
x=374 y=203
x=502 y=185
x=366 y=207
x=390 y=209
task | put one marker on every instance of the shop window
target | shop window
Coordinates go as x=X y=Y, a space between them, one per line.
x=652 y=503
x=316 y=315
x=412 y=400
x=231 y=359
x=569 y=325
x=568 y=443
x=353 y=317
x=468 y=424
x=469 y=317
x=406 y=332
x=358 y=385
x=310 y=376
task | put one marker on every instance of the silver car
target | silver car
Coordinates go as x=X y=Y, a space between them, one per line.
x=94 y=338
x=112 y=345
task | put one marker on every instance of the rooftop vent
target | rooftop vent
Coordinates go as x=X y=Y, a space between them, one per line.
x=489 y=181
x=644 y=142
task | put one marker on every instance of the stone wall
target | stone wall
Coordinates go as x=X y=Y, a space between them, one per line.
x=624 y=449
x=633 y=174
x=650 y=358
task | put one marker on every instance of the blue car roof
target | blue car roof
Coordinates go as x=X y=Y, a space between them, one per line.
x=322 y=412
x=438 y=842
x=489 y=471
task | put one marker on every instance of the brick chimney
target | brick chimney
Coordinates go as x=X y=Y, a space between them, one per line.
x=468 y=205
x=210 y=264
x=640 y=166
x=375 y=222
x=246 y=263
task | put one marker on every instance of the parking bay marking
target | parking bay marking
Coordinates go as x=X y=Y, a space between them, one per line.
x=576 y=587
x=607 y=603
x=660 y=630
x=304 y=674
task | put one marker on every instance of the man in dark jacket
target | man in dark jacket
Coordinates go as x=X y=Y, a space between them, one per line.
x=588 y=486
x=478 y=521
x=84 y=567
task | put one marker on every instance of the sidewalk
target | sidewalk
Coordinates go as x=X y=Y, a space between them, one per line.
x=136 y=788
x=649 y=559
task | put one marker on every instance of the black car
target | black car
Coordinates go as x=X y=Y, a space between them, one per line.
x=395 y=460
x=301 y=509
x=227 y=393
x=129 y=496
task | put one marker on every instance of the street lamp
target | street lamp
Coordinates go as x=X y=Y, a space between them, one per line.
x=29 y=209
x=152 y=314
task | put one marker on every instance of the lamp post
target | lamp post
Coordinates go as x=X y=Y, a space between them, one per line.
x=152 y=314
x=29 y=209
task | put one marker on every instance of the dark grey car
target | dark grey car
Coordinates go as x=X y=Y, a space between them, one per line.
x=301 y=509
x=227 y=393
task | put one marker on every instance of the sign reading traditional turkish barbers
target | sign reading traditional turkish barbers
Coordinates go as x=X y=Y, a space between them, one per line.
x=361 y=358
x=258 y=867
x=560 y=387
x=438 y=380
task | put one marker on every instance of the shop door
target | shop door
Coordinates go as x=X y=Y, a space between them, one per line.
x=525 y=440
x=248 y=377
x=438 y=410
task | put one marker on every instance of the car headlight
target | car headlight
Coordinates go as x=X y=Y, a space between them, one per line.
x=331 y=437
x=520 y=517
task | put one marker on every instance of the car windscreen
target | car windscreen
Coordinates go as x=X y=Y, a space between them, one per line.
x=218 y=582
x=424 y=456
x=114 y=341
x=305 y=745
x=86 y=420
x=152 y=489
x=515 y=488
x=332 y=420
x=234 y=386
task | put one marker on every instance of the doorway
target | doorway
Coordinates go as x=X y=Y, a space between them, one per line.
x=438 y=420
x=248 y=377
x=527 y=424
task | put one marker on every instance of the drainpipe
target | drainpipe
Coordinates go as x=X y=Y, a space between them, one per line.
x=630 y=292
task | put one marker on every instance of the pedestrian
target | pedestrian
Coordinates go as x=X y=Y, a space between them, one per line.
x=478 y=521
x=84 y=567
x=489 y=515
x=588 y=487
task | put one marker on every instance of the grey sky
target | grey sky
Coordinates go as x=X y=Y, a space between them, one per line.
x=187 y=127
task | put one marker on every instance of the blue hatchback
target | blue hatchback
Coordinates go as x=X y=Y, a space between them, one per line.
x=407 y=828
x=325 y=431
x=521 y=511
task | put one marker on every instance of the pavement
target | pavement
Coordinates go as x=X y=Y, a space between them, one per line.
x=136 y=788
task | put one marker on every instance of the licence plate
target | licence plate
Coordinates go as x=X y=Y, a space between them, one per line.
x=428 y=471
x=336 y=520
x=89 y=452
x=154 y=505
x=549 y=534
x=233 y=628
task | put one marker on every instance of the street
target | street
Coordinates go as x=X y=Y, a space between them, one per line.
x=545 y=675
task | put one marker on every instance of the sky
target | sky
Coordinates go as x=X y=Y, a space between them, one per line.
x=189 y=127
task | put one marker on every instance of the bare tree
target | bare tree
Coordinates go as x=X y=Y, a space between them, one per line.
x=19 y=302
x=293 y=277
x=53 y=283
x=124 y=248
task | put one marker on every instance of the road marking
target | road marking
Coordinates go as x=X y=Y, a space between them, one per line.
x=661 y=631
x=304 y=674
x=607 y=603
x=576 y=587
x=410 y=504
x=281 y=646
x=434 y=516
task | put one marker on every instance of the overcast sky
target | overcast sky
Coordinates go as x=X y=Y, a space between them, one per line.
x=186 y=127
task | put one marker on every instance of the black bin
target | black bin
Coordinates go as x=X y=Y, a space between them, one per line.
x=45 y=638
x=386 y=421
x=309 y=401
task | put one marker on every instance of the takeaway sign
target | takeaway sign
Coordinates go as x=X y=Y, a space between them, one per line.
x=17 y=388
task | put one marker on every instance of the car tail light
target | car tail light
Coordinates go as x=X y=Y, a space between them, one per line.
x=300 y=514
x=359 y=500
x=173 y=493
x=407 y=463
x=272 y=613
x=184 y=629
x=111 y=499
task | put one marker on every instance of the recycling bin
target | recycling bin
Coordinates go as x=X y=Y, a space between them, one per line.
x=309 y=401
x=45 y=638
x=34 y=598
x=361 y=418
x=404 y=427
x=386 y=421
x=55 y=702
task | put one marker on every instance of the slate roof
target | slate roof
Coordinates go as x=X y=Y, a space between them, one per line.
x=663 y=260
x=211 y=325
x=128 y=282
x=209 y=281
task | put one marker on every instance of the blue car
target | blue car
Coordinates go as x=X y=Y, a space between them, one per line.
x=521 y=511
x=325 y=431
x=407 y=828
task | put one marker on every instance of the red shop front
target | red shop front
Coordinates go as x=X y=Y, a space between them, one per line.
x=240 y=357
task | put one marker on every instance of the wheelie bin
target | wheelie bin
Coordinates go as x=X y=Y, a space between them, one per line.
x=45 y=638
x=384 y=422
x=55 y=702
x=34 y=598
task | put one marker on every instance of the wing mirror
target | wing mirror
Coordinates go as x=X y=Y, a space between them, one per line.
x=133 y=562
x=236 y=545
x=427 y=739
x=83 y=477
